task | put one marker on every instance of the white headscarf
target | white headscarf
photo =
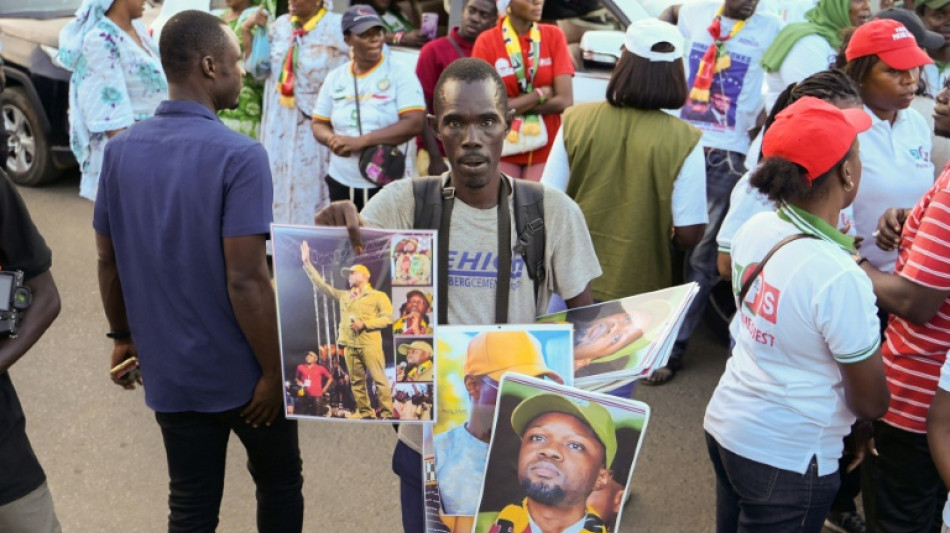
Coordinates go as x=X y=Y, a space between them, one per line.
x=71 y=36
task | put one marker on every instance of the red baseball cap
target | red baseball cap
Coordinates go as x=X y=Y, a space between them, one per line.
x=889 y=40
x=814 y=134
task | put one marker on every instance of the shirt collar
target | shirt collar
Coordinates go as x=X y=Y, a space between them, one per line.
x=185 y=107
x=875 y=120
x=816 y=227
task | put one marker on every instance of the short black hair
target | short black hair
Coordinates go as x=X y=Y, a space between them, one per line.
x=828 y=85
x=186 y=38
x=643 y=84
x=471 y=70
x=783 y=181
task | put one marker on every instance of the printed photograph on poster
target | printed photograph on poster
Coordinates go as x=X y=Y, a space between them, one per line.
x=714 y=108
x=559 y=455
x=342 y=356
x=626 y=337
x=470 y=363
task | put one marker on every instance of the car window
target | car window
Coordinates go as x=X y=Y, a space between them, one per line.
x=40 y=8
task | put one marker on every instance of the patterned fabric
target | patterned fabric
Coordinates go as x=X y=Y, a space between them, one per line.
x=72 y=35
x=298 y=163
x=115 y=83
x=246 y=118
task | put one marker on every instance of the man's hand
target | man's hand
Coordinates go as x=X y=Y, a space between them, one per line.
x=265 y=403
x=345 y=214
x=414 y=38
x=357 y=325
x=124 y=350
x=888 y=233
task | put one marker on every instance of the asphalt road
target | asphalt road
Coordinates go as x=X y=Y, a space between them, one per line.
x=104 y=458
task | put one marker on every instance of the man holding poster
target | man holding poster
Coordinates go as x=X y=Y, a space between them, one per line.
x=364 y=312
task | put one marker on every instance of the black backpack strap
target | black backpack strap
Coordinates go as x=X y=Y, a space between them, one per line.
x=427 y=192
x=529 y=228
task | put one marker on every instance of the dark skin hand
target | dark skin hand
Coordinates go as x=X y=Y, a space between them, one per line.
x=252 y=297
x=902 y=297
x=110 y=290
x=888 y=234
x=35 y=320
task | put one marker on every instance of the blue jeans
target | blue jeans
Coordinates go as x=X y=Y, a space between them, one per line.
x=754 y=497
x=407 y=464
x=723 y=170
x=196 y=445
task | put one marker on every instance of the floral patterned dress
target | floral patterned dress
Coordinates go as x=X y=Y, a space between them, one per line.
x=115 y=83
x=246 y=118
x=298 y=162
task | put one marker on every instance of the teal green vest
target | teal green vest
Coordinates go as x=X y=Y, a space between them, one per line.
x=623 y=164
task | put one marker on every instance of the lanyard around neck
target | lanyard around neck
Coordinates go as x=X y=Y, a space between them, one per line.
x=503 y=284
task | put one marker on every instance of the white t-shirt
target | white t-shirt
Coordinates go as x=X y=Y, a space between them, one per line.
x=746 y=201
x=897 y=173
x=944 y=384
x=741 y=84
x=689 y=187
x=385 y=93
x=569 y=260
x=809 y=55
x=935 y=78
x=781 y=400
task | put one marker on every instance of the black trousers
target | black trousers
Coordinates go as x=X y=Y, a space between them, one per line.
x=338 y=192
x=901 y=489
x=196 y=446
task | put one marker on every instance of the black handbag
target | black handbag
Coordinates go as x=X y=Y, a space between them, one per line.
x=380 y=164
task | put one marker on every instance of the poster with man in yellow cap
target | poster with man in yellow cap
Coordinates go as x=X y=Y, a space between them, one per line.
x=554 y=452
x=338 y=301
x=470 y=363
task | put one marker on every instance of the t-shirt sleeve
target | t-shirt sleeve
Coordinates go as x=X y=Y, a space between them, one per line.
x=845 y=314
x=689 y=190
x=744 y=203
x=323 y=109
x=572 y=259
x=928 y=260
x=408 y=93
x=248 y=196
x=808 y=56
x=101 y=92
x=21 y=245
x=427 y=71
x=557 y=170
x=560 y=55
x=391 y=208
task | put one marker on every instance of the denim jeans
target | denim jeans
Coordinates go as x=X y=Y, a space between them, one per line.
x=754 y=497
x=196 y=447
x=723 y=170
x=900 y=487
x=407 y=464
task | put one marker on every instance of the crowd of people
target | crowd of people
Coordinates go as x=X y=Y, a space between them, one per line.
x=788 y=156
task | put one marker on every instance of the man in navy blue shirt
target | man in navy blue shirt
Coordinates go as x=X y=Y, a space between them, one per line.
x=181 y=219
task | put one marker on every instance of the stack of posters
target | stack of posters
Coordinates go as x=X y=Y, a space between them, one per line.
x=620 y=341
x=356 y=330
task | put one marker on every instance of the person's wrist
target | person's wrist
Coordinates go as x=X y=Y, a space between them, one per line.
x=541 y=97
x=397 y=37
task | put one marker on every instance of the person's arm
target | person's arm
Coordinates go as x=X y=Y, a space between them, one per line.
x=315 y=278
x=259 y=18
x=437 y=165
x=583 y=299
x=938 y=433
x=888 y=234
x=252 y=297
x=113 y=302
x=671 y=14
x=724 y=265
x=865 y=387
x=688 y=201
x=557 y=170
x=562 y=97
x=902 y=297
x=104 y=78
x=322 y=131
x=384 y=313
x=34 y=322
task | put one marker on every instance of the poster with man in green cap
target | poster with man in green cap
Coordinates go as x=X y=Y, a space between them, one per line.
x=553 y=449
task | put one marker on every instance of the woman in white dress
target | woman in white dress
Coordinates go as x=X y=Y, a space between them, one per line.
x=306 y=44
x=117 y=79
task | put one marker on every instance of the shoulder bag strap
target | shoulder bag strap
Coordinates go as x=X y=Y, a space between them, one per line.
x=356 y=97
x=750 y=279
x=455 y=45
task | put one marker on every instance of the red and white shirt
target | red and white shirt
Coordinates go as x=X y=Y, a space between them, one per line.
x=913 y=354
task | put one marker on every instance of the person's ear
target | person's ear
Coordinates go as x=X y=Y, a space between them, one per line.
x=603 y=477
x=473 y=386
x=434 y=125
x=617 y=502
x=208 y=67
x=509 y=119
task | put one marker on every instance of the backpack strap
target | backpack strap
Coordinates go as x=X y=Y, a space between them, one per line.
x=427 y=192
x=529 y=229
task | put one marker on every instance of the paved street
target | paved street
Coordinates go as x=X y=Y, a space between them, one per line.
x=102 y=449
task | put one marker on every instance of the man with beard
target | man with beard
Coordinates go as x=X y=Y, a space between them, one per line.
x=566 y=447
x=364 y=312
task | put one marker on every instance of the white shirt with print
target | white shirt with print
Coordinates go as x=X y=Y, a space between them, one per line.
x=385 y=92
x=743 y=82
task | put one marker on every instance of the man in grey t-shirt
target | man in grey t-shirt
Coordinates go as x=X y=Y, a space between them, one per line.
x=472 y=120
